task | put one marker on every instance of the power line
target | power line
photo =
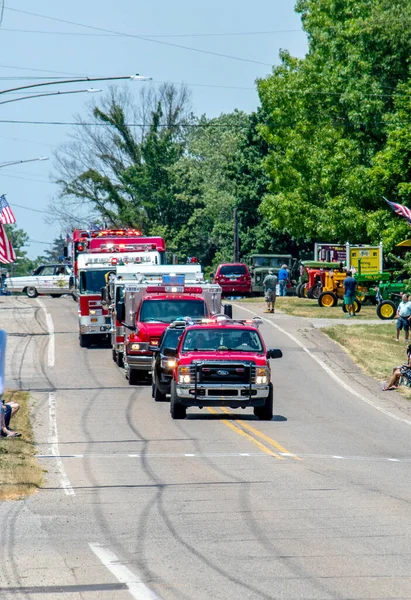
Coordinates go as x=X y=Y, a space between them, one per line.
x=28 y=208
x=140 y=37
x=42 y=71
x=150 y=35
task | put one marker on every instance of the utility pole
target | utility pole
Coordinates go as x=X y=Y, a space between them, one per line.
x=236 y=237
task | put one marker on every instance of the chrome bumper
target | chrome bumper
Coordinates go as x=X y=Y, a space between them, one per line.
x=140 y=362
x=230 y=391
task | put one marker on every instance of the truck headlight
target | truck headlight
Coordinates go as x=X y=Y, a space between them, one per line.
x=184 y=375
x=262 y=376
x=92 y=312
x=134 y=346
x=168 y=363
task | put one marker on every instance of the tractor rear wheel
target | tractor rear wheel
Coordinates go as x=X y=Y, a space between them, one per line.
x=386 y=310
x=314 y=291
x=327 y=299
x=298 y=290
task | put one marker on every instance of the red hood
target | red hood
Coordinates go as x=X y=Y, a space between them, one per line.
x=188 y=357
x=147 y=330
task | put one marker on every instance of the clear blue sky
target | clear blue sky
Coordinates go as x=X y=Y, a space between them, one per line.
x=212 y=79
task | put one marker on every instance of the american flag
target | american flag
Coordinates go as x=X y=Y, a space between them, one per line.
x=6 y=214
x=400 y=209
x=7 y=254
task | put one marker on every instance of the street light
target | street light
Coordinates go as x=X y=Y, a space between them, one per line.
x=89 y=91
x=19 y=162
x=78 y=80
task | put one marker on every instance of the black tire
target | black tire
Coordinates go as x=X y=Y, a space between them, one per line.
x=265 y=413
x=120 y=360
x=177 y=410
x=357 y=306
x=84 y=341
x=134 y=376
x=327 y=299
x=152 y=390
x=298 y=290
x=314 y=292
x=56 y=295
x=31 y=291
x=114 y=355
x=386 y=310
x=158 y=396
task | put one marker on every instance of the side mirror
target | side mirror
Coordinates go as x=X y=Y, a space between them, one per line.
x=103 y=292
x=121 y=311
x=228 y=311
x=274 y=353
x=172 y=352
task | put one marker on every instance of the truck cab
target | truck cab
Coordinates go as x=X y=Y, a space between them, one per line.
x=222 y=362
x=260 y=264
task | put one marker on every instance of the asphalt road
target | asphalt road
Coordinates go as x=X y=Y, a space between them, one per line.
x=312 y=505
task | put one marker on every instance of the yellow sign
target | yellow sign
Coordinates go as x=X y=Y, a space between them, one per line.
x=369 y=258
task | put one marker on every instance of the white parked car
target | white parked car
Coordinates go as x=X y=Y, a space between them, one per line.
x=46 y=279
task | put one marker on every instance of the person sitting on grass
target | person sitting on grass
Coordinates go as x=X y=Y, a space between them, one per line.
x=403 y=317
x=349 y=294
x=398 y=372
x=8 y=410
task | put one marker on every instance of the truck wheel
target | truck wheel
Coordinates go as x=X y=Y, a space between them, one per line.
x=158 y=396
x=120 y=360
x=327 y=299
x=134 y=377
x=386 y=310
x=31 y=292
x=265 y=413
x=84 y=341
x=114 y=355
x=177 y=410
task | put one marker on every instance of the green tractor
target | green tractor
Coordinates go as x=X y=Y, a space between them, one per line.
x=389 y=296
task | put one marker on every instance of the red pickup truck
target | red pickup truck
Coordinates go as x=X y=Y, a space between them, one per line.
x=222 y=362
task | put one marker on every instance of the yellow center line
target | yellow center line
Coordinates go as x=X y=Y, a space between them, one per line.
x=247 y=435
x=263 y=436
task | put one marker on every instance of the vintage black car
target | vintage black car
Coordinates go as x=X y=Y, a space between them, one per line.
x=162 y=366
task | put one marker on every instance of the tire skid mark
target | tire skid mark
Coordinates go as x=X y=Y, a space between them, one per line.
x=193 y=551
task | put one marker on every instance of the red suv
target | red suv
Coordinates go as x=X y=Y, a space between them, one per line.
x=234 y=279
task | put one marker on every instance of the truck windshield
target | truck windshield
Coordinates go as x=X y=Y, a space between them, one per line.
x=91 y=282
x=239 y=340
x=166 y=311
x=269 y=261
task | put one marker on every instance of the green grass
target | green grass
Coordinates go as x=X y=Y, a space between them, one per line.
x=373 y=348
x=303 y=307
x=20 y=473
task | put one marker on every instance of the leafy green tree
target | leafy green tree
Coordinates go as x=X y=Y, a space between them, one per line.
x=334 y=140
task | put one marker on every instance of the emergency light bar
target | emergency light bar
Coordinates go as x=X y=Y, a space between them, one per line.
x=113 y=232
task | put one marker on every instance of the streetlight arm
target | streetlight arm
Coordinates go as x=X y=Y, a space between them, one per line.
x=78 y=80
x=89 y=91
x=19 y=162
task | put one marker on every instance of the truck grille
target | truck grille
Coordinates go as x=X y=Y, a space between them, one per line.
x=224 y=372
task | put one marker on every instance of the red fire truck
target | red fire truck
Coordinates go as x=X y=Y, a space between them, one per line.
x=149 y=307
x=96 y=254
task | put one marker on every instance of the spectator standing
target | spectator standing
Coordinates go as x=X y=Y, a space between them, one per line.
x=403 y=317
x=282 y=280
x=349 y=294
x=270 y=290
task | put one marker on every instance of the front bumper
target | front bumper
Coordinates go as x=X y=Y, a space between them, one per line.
x=233 y=395
x=139 y=362
x=98 y=325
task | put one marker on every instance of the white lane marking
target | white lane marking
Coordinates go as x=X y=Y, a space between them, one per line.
x=117 y=455
x=138 y=590
x=328 y=370
x=54 y=446
x=50 y=330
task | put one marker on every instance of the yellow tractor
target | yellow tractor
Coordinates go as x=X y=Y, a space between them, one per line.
x=333 y=289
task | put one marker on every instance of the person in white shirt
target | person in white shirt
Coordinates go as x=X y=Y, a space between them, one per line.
x=403 y=317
